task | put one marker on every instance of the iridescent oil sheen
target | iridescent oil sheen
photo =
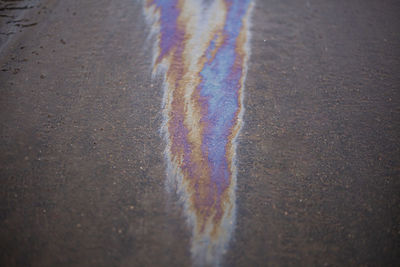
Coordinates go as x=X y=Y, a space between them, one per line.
x=201 y=50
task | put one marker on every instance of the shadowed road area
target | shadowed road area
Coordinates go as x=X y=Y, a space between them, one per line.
x=81 y=155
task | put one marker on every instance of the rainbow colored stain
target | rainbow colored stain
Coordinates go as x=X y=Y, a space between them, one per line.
x=201 y=50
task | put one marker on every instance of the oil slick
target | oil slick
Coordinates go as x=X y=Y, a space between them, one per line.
x=201 y=50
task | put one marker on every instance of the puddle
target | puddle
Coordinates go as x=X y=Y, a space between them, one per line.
x=14 y=18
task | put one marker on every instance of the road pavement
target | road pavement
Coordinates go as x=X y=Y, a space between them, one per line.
x=81 y=160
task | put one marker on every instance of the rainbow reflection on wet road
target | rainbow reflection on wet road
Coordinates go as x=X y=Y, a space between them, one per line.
x=201 y=50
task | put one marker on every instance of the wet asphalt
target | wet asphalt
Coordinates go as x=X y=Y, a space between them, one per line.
x=81 y=156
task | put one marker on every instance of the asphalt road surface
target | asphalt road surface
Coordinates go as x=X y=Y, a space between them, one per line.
x=81 y=162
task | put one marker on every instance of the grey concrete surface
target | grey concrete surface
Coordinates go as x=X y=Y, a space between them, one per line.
x=81 y=165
